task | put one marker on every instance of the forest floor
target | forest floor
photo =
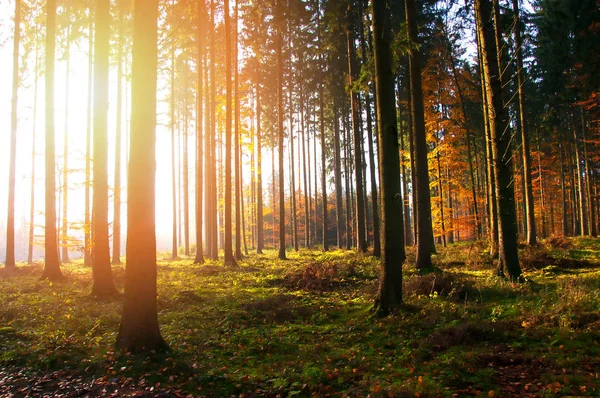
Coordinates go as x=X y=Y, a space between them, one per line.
x=304 y=327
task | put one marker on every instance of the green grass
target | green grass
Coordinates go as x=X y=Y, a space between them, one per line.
x=304 y=327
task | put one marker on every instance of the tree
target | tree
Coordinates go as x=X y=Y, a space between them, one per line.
x=279 y=39
x=529 y=205
x=116 y=252
x=51 y=262
x=199 y=150
x=87 y=250
x=354 y=101
x=103 y=283
x=10 y=224
x=139 y=321
x=500 y=134
x=425 y=246
x=228 y=258
x=389 y=297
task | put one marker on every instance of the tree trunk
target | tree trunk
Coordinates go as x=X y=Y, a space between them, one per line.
x=10 y=223
x=103 y=282
x=389 y=297
x=563 y=190
x=372 y=171
x=337 y=169
x=529 y=204
x=64 y=241
x=33 y=138
x=347 y=178
x=292 y=168
x=354 y=103
x=172 y=128
x=238 y=175
x=199 y=259
x=87 y=247
x=51 y=263
x=279 y=44
x=139 y=305
x=304 y=173
x=323 y=165
x=441 y=196
x=588 y=182
x=185 y=167
x=116 y=252
x=259 y=193
x=490 y=166
x=228 y=258
x=213 y=227
x=405 y=196
x=425 y=246
x=500 y=134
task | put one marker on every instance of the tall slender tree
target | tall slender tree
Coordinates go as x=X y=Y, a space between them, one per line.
x=228 y=258
x=425 y=245
x=529 y=204
x=51 y=260
x=10 y=224
x=389 y=297
x=116 y=249
x=500 y=134
x=103 y=282
x=87 y=244
x=139 y=322
x=199 y=259
x=279 y=43
x=354 y=103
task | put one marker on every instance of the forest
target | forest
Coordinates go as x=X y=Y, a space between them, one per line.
x=277 y=198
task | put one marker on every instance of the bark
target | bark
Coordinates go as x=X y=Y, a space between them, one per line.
x=425 y=246
x=228 y=259
x=347 y=177
x=529 y=204
x=185 y=166
x=87 y=248
x=389 y=298
x=500 y=134
x=102 y=274
x=580 y=186
x=337 y=169
x=259 y=193
x=361 y=242
x=490 y=166
x=405 y=197
x=33 y=138
x=213 y=227
x=563 y=190
x=139 y=321
x=172 y=128
x=323 y=167
x=279 y=44
x=116 y=249
x=372 y=171
x=64 y=241
x=441 y=197
x=238 y=175
x=10 y=223
x=588 y=182
x=199 y=259
x=304 y=173
x=51 y=262
x=292 y=166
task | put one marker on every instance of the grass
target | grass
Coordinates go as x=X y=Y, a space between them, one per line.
x=304 y=327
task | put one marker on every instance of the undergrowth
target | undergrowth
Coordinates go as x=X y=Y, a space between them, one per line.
x=304 y=327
